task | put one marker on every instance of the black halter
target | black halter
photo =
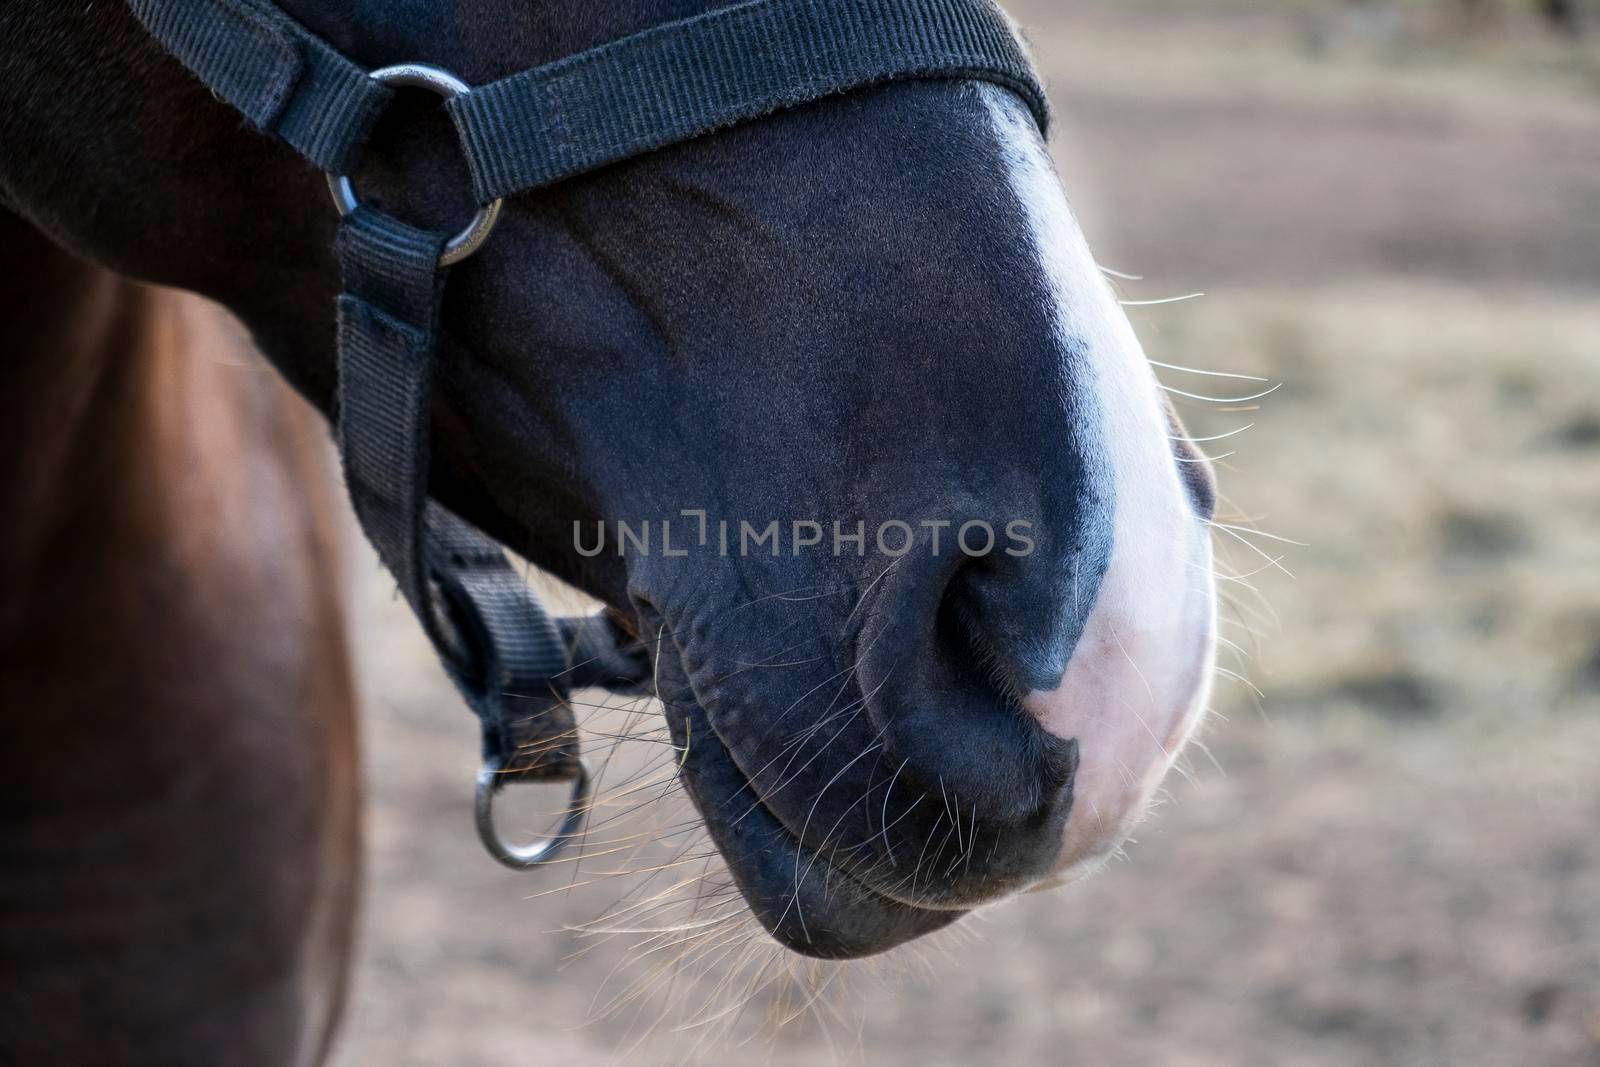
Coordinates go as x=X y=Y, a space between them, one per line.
x=512 y=664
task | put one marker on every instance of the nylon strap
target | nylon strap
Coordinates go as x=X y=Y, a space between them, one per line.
x=279 y=75
x=660 y=87
x=500 y=648
x=685 y=79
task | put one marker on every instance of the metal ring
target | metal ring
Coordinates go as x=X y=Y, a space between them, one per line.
x=423 y=76
x=523 y=857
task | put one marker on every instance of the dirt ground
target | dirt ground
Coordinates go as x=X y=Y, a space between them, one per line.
x=1390 y=857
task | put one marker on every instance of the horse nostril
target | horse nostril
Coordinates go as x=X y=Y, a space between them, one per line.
x=983 y=667
x=1059 y=764
x=1013 y=622
x=961 y=642
x=954 y=651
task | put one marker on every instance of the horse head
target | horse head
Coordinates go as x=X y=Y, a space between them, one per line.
x=918 y=547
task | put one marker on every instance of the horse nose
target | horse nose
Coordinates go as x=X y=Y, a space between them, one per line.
x=1020 y=612
x=960 y=642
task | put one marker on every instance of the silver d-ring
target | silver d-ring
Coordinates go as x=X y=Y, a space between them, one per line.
x=423 y=76
x=521 y=857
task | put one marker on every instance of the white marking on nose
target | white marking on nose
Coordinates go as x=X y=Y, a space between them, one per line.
x=1139 y=675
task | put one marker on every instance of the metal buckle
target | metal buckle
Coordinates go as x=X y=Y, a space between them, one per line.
x=522 y=857
x=423 y=76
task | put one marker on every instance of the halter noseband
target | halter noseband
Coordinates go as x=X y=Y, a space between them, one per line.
x=514 y=666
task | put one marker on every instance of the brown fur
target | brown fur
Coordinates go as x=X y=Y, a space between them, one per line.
x=179 y=846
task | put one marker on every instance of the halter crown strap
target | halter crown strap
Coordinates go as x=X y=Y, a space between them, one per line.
x=279 y=75
x=660 y=87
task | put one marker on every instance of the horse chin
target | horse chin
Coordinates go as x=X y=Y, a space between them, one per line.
x=808 y=904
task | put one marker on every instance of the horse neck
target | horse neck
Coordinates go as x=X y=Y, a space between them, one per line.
x=136 y=427
x=77 y=399
x=176 y=711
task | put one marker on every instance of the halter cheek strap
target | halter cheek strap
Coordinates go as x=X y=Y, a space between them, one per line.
x=511 y=663
x=505 y=656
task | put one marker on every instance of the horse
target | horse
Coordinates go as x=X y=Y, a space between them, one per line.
x=870 y=319
x=180 y=858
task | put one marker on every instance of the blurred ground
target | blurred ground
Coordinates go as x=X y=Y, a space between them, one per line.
x=1393 y=856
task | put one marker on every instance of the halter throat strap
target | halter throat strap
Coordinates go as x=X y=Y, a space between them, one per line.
x=679 y=81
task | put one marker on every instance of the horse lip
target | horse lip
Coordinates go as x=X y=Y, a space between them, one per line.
x=808 y=904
